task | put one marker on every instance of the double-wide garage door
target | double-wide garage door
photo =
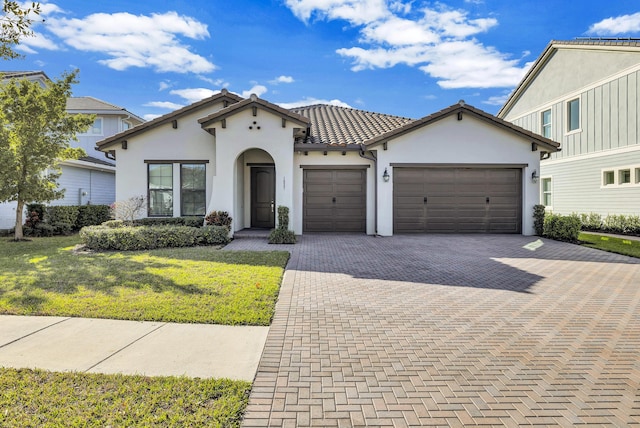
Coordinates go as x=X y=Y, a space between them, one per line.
x=457 y=200
x=334 y=200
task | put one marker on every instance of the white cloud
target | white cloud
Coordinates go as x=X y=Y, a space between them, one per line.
x=164 y=104
x=282 y=79
x=617 y=25
x=164 y=85
x=193 y=95
x=440 y=41
x=497 y=100
x=259 y=90
x=357 y=12
x=128 y=40
x=308 y=101
x=149 y=117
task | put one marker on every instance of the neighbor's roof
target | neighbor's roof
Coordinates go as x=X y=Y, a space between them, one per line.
x=340 y=126
x=223 y=95
x=23 y=74
x=95 y=106
x=96 y=161
x=554 y=45
x=463 y=108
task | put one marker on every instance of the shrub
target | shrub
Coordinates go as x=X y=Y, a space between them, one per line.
x=40 y=229
x=562 y=228
x=282 y=235
x=591 y=221
x=538 y=219
x=92 y=215
x=62 y=214
x=190 y=221
x=129 y=209
x=62 y=228
x=114 y=224
x=38 y=208
x=193 y=221
x=127 y=238
x=218 y=218
x=213 y=235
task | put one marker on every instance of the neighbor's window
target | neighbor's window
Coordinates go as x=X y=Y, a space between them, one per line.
x=573 y=115
x=95 y=128
x=192 y=189
x=546 y=123
x=124 y=125
x=160 y=189
x=608 y=178
x=546 y=192
x=624 y=176
x=637 y=179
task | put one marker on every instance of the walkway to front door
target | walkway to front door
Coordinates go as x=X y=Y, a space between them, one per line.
x=450 y=331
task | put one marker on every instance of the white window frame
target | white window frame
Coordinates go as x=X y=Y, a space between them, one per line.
x=550 y=191
x=567 y=110
x=91 y=130
x=544 y=126
x=634 y=176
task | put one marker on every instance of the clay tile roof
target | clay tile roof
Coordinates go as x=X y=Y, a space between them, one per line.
x=341 y=126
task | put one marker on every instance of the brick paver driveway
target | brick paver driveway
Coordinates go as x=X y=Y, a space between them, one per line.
x=450 y=331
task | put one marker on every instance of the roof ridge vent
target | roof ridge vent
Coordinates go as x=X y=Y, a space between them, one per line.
x=461 y=102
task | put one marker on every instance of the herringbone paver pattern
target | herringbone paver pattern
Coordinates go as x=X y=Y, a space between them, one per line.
x=450 y=331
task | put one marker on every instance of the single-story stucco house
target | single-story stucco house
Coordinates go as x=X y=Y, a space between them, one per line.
x=460 y=170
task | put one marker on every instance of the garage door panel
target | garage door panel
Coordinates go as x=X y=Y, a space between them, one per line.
x=334 y=200
x=457 y=200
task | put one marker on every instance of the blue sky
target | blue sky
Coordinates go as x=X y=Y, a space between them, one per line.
x=407 y=58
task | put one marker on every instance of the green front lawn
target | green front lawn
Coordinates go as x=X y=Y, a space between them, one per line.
x=35 y=398
x=627 y=247
x=192 y=285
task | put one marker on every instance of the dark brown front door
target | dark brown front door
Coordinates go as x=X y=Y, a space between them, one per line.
x=263 y=196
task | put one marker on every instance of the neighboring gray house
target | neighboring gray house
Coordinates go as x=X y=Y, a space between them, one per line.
x=90 y=179
x=584 y=94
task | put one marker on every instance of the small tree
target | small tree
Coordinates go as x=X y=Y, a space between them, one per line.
x=35 y=130
x=15 y=22
x=129 y=209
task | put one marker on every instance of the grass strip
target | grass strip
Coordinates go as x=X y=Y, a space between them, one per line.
x=191 y=285
x=39 y=398
x=627 y=247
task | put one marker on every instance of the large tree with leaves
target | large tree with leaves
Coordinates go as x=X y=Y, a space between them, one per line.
x=35 y=131
x=15 y=24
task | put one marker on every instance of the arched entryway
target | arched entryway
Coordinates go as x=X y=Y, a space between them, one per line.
x=256 y=185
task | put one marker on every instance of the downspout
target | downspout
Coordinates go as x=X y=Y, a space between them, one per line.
x=374 y=159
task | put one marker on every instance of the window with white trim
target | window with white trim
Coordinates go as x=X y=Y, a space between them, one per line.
x=160 y=190
x=573 y=115
x=546 y=124
x=95 y=128
x=608 y=178
x=547 y=192
x=637 y=175
x=624 y=176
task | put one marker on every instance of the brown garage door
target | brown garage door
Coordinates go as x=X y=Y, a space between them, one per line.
x=334 y=200
x=457 y=200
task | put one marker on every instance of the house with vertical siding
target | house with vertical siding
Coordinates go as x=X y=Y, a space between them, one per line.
x=584 y=93
x=90 y=179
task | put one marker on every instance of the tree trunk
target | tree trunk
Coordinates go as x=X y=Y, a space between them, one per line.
x=18 y=236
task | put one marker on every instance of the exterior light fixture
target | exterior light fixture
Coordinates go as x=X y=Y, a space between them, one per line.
x=385 y=175
x=534 y=176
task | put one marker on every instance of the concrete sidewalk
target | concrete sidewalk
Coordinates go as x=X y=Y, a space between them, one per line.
x=131 y=347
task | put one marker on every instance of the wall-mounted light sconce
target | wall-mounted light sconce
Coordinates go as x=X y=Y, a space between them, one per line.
x=124 y=145
x=535 y=176
x=174 y=124
x=386 y=176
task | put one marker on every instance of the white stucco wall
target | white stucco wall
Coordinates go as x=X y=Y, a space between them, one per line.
x=450 y=141
x=163 y=143
x=237 y=144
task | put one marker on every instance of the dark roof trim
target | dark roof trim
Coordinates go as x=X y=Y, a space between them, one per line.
x=323 y=147
x=554 y=45
x=253 y=101
x=224 y=95
x=545 y=143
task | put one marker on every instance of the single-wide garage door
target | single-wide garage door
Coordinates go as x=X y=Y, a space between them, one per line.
x=457 y=200
x=334 y=200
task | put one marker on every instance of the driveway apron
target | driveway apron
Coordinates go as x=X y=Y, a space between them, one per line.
x=451 y=331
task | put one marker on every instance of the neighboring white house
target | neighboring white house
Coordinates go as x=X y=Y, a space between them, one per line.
x=337 y=169
x=585 y=93
x=90 y=179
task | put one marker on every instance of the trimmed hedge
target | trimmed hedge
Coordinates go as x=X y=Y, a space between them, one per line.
x=91 y=215
x=170 y=221
x=613 y=223
x=128 y=238
x=562 y=228
x=538 y=219
x=282 y=235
